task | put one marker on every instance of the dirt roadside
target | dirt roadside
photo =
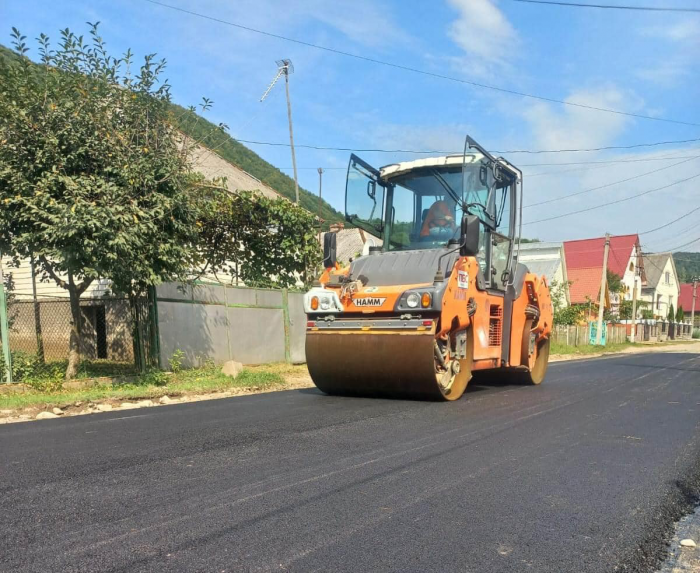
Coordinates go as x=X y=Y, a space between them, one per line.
x=691 y=346
x=293 y=378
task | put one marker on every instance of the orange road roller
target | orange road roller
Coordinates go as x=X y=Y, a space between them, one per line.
x=441 y=296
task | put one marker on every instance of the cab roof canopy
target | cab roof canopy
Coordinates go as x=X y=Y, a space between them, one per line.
x=397 y=169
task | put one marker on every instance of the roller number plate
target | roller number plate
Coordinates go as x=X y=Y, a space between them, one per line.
x=369 y=301
x=462 y=279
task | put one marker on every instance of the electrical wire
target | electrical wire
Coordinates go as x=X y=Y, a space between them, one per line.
x=600 y=206
x=608 y=6
x=570 y=195
x=459 y=152
x=417 y=70
x=671 y=223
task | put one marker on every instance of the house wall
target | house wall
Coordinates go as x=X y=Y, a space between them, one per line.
x=628 y=277
x=668 y=291
x=22 y=282
x=547 y=252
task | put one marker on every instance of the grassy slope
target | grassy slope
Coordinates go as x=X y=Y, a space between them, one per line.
x=236 y=153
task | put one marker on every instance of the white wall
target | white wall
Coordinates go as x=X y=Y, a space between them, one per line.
x=22 y=279
x=669 y=292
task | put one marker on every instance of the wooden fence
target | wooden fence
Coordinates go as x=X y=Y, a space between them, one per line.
x=579 y=335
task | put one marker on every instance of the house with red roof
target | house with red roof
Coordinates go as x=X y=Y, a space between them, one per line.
x=685 y=299
x=584 y=262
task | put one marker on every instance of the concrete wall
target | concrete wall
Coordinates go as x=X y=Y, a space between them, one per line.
x=218 y=323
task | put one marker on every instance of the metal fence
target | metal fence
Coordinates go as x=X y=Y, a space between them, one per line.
x=216 y=323
x=118 y=337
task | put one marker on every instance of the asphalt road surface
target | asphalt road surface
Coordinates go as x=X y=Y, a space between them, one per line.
x=584 y=473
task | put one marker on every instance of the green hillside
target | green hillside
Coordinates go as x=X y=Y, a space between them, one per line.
x=229 y=149
x=687 y=265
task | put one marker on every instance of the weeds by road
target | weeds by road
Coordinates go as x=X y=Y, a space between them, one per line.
x=183 y=385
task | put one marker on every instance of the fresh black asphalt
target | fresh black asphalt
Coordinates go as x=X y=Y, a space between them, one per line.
x=584 y=473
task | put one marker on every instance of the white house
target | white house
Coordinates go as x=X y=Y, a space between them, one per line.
x=663 y=287
x=547 y=259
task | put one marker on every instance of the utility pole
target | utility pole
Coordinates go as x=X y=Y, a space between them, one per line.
x=603 y=284
x=320 y=189
x=5 y=330
x=634 y=308
x=284 y=68
x=692 y=308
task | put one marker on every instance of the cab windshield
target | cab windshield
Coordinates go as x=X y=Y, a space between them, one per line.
x=425 y=209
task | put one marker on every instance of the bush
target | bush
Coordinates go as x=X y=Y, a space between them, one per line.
x=153 y=378
x=28 y=369
x=176 y=360
x=696 y=333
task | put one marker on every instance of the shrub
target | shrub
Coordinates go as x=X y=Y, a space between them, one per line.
x=696 y=333
x=176 y=360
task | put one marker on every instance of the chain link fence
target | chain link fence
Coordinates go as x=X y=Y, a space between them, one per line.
x=118 y=338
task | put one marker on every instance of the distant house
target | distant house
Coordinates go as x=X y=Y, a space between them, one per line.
x=584 y=261
x=547 y=259
x=584 y=289
x=685 y=299
x=351 y=243
x=662 y=288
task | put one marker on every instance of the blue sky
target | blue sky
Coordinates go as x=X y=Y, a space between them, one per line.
x=639 y=62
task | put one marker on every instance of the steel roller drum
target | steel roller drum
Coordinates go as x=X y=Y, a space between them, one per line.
x=373 y=364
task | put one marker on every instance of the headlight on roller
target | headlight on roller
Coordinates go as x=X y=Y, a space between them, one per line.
x=413 y=300
x=320 y=299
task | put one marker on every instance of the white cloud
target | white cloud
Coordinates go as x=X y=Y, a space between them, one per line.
x=567 y=127
x=678 y=45
x=483 y=32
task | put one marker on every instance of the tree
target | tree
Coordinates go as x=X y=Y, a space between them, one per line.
x=93 y=179
x=615 y=284
x=680 y=315
x=671 y=313
x=261 y=241
x=563 y=313
x=626 y=308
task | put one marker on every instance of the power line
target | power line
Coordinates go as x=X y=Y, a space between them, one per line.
x=448 y=152
x=685 y=244
x=671 y=223
x=612 y=202
x=608 y=6
x=603 y=163
x=607 y=184
x=417 y=70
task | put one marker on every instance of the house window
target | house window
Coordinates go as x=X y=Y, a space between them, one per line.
x=632 y=266
x=668 y=278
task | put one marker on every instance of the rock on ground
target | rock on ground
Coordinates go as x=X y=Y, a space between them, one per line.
x=45 y=416
x=232 y=368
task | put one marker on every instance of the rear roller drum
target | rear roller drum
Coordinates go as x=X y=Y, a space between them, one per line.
x=452 y=375
x=535 y=355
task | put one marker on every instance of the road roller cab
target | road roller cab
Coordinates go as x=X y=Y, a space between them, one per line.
x=443 y=297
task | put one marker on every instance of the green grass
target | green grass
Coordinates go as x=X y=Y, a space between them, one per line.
x=562 y=349
x=149 y=386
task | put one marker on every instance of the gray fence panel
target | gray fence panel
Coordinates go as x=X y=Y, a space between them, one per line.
x=268 y=298
x=175 y=291
x=297 y=328
x=257 y=335
x=198 y=330
x=244 y=296
x=209 y=293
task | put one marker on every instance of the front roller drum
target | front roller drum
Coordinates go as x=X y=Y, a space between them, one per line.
x=373 y=364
